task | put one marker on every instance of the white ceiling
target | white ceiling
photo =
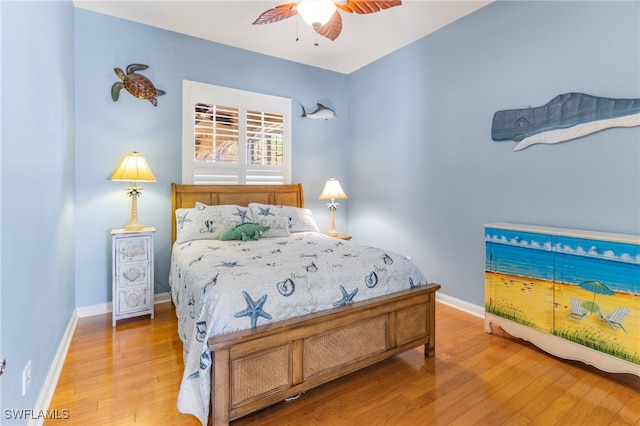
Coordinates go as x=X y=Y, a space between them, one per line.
x=364 y=38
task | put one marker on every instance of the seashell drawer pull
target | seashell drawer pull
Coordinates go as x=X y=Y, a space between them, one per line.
x=132 y=268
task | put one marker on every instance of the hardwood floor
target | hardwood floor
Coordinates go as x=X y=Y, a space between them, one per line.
x=131 y=375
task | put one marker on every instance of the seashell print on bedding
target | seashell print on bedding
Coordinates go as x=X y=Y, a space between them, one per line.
x=286 y=287
x=281 y=278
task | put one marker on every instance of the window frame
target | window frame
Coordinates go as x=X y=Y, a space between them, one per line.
x=194 y=92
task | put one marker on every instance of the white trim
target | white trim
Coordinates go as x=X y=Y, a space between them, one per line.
x=194 y=92
x=105 y=308
x=51 y=381
x=88 y=311
x=161 y=298
x=467 y=307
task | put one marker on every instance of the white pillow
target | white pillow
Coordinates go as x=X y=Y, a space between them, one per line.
x=207 y=222
x=300 y=220
x=278 y=226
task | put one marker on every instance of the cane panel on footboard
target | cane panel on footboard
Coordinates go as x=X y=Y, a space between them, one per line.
x=260 y=366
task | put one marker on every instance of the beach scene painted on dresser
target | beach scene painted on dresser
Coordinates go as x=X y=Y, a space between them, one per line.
x=585 y=291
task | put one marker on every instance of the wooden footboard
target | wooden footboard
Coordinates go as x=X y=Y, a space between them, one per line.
x=256 y=368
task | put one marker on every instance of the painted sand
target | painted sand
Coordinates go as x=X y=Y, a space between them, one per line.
x=528 y=301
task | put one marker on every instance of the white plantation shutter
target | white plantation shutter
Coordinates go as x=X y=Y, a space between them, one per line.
x=233 y=136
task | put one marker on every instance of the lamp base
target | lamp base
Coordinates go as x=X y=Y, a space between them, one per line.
x=133 y=227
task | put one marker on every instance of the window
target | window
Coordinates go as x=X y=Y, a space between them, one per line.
x=232 y=136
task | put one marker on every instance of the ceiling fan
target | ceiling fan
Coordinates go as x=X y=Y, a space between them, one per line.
x=323 y=15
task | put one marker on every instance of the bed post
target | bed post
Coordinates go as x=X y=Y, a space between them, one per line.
x=220 y=387
x=430 y=346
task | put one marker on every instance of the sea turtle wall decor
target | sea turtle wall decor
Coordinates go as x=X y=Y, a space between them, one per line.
x=136 y=84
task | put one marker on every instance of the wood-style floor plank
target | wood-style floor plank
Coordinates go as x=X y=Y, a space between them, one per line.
x=130 y=375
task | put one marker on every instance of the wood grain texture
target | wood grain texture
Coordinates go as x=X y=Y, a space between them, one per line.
x=130 y=376
x=186 y=196
x=336 y=342
x=347 y=338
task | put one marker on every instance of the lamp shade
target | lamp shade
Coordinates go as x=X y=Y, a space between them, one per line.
x=316 y=12
x=332 y=191
x=133 y=167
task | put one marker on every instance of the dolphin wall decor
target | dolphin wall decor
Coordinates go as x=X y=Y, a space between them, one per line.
x=567 y=116
x=320 y=113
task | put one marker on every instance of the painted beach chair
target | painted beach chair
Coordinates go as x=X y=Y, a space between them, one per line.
x=577 y=311
x=616 y=318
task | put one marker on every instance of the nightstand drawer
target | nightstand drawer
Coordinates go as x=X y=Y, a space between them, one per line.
x=132 y=249
x=132 y=273
x=132 y=299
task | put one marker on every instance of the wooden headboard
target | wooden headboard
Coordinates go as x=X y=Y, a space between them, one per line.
x=185 y=196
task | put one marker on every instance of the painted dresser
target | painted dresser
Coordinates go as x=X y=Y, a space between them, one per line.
x=573 y=293
x=132 y=266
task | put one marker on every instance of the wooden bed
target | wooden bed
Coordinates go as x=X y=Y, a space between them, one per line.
x=258 y=367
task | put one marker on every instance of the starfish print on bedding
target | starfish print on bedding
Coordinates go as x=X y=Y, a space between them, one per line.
x=182 y=219
x=265 y=212
x=229 y=264
x=254 y=309
x=241 y=213
x=347 y=298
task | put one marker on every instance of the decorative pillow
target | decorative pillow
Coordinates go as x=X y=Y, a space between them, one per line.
x=207 y=222
x=245 y=231
x=278 y=226
x=300 y=220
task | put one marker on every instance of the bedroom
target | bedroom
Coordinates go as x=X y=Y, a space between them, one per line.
x=429 y=197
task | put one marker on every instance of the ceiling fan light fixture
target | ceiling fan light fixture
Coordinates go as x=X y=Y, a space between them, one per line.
x=316 y=12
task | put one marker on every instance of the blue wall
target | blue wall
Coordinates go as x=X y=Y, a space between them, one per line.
x=424 y=172
x=37 y=176
x=106 y=130
x=411 y=146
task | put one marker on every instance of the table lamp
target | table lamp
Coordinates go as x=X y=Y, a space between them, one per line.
x=332 y=191
x=134 y=168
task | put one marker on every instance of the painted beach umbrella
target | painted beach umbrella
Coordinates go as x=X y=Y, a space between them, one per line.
x=597 y=288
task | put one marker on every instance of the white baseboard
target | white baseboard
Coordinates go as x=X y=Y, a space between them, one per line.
x=105 y=308
x=467 y=307
x=51 y=381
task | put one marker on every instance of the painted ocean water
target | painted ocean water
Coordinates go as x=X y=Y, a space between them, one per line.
x=617 y=265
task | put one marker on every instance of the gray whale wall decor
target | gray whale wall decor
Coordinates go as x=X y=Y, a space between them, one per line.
x=565 y=117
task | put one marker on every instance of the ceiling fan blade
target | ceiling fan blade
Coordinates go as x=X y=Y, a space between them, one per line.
x=367 y=6
x=278 y=13
x=331 y=29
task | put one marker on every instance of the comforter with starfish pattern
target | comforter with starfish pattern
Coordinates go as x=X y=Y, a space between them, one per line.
x=219 y=287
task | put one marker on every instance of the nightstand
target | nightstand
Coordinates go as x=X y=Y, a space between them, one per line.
x=132 y=268
x=340 y=236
